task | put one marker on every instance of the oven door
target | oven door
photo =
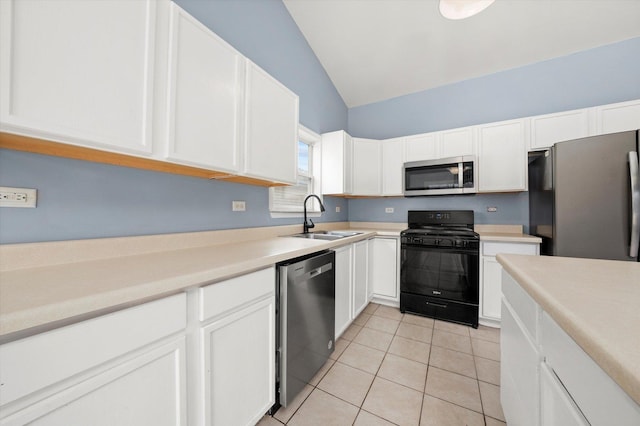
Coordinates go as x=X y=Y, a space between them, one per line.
x=446 y=273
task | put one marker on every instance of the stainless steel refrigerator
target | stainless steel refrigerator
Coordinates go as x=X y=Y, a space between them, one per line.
x=584 y=197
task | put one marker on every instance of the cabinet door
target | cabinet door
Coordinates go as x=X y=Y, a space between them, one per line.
x=546 y=130
x=79 y=72
x=383 y=272
x=519 y=365
x=40 y=363
x=422 y=147
x=271 y=128
x=360 y=277
x=491 y=288
x=392 y=161
x=204 y=96
x=366 y=167
x=457 y=142
x=344 y=284
x=618 y=117
x=239 y=352
x=556 y=406
x=502 y=157
x=147 y=389
x=337 y=150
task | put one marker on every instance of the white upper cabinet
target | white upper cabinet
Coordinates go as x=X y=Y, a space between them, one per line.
x=337 y=154
x=392 y=161
x=502 y=155
x=271 y=128
x=618 y=117
x=457 y=142
x=205 y=96
x=79 y=72
x=422 y=147
x=443 y=144
x=548 y=129
x=366 y=167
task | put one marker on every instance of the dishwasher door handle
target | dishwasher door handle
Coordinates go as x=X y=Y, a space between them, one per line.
x=318 y=271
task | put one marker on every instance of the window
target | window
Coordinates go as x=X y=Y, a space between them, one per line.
x=288 y=200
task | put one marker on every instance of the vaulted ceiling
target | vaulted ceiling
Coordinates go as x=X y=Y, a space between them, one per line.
x=379 y=49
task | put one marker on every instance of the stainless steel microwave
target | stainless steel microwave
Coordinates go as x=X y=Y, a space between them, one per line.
x=453 y=175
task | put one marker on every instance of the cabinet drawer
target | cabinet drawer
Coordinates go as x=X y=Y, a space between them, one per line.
x=221 y=297
x=601 y=400
x=45 y=359
x=492 y=249
x=527 y=309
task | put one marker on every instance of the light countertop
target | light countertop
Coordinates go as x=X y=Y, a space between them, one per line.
x=595 y=301
x=53 y=295
x=47 y=285
x=509 y=237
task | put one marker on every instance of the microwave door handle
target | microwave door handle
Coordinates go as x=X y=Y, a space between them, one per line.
x=635 y=204
x=460 y=175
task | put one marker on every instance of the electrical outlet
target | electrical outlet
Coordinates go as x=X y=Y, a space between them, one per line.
x=337 y=209
x=17 y=197
x=238 y=206
x=389 y=210
x=492 y=209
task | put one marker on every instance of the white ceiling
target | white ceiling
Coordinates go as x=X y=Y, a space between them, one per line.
x=379 y=49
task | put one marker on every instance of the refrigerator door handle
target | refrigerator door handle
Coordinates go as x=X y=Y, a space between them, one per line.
x=635 y=204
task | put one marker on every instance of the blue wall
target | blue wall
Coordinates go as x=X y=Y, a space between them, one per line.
x=597 y=76
x=79 y=199
x=512 y=209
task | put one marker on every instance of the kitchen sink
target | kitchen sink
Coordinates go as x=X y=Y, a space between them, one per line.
x=326 y=235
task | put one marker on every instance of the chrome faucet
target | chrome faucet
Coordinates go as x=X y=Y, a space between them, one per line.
x=306 y=226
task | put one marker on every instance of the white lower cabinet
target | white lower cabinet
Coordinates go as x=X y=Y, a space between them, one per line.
x=546 y=378
x=127 y=367
x=557 y=407
x=519 y=365
x=360 y=277
x=491 y=276
x=344 y=286
x=237 y=344
x=353 y=289
x=598 y=397
x=383 y=268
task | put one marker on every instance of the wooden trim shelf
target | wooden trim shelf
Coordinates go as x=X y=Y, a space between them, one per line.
x=45 y=147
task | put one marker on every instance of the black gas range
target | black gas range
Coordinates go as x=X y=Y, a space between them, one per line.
x=439 y=275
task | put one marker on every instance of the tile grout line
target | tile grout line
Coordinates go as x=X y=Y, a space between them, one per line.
x=385 y=357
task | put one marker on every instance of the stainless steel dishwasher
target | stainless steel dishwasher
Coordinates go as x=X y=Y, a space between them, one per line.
x=305 y=321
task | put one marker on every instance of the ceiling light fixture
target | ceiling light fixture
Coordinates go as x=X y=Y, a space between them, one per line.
x=461 y=9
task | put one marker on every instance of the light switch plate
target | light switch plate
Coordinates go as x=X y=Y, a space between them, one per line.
x=238 y=206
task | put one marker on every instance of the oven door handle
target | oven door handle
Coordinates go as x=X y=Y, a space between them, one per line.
x=439 y=305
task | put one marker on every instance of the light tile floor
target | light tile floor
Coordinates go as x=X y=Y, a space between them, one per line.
x=393 y=368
